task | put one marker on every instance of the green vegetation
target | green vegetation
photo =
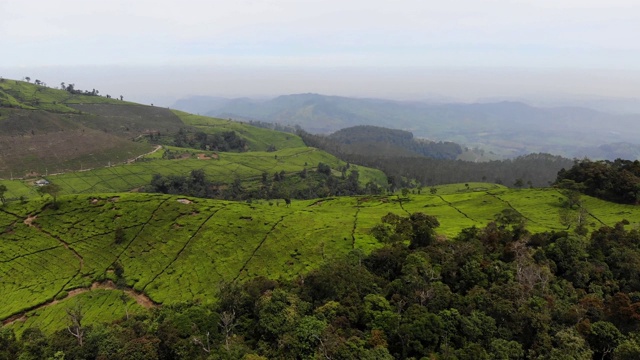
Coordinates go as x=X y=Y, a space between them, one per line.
x=220 y=168
x=98 y=306
x=46 y=131
x=180 y=250
x=617 y=181
x=301 y=268
x=491 y=292
x=407 y=168
x=365 y=139
x=257 y=139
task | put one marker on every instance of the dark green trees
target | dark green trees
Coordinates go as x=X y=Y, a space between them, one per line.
x=418 y=229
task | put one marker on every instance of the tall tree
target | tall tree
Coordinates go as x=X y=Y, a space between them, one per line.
x=52 y=190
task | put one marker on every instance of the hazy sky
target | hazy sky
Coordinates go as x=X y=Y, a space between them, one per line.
x=165 y=49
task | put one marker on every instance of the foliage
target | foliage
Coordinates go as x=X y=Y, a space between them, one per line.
x=617 y=181
x=407 y=170
x=225 y=141
x=385 y=142
x=465 y=298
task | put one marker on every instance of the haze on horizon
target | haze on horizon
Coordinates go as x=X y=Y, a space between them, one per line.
x=463 y=50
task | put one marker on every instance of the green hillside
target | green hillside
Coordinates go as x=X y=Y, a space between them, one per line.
x=224 y=169
x=258 y=139
x=45 y=131
x=174 y=249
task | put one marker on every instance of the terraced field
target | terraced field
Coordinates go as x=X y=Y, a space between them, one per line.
x=246 y=166
x=177 y=249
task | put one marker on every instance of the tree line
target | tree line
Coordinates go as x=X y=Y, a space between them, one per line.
x=305 y=184
x=617 y=181
x=224 y=141
x=536 y=170
x=391 y=142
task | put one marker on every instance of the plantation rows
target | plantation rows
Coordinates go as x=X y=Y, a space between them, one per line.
x=183 y=250
x=98 y=306
x=245 y=166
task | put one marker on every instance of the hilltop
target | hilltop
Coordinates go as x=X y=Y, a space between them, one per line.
x=508 y=128
x=45 y=130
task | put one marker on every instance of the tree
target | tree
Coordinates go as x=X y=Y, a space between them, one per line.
x=3 y=190
x=52 y=190
x=28 y=79
x=418 y=229
x=227 y=324
x=604 y=337
x=519 y=183
x=423 y=229
x=75 y=322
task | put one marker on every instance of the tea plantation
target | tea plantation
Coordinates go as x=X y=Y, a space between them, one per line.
x=174 y=249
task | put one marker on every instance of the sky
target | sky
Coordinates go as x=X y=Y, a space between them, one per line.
x=161 y=50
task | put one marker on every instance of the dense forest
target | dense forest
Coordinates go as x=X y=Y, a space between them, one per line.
x=497 y=292
x=365 y=139
x=617 y=181
x=404 y=171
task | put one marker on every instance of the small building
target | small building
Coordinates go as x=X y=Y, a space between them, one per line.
x=42 y=182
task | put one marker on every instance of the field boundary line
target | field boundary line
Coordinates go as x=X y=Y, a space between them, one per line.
x=183 y=247
x=244 y=266
x=514 y=209
x=29 y=254
x=458 y=210
x=355 y=225
x=138 y=234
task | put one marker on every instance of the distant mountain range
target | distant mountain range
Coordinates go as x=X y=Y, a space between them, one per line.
x=506 y=128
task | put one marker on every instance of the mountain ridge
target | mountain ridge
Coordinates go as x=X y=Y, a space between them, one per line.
x=509 y=128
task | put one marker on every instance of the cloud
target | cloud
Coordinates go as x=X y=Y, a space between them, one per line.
x=278 y=46
x=137 y=32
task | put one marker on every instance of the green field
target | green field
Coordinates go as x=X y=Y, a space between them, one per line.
x=228 y=166
x=175 y=251
x=258 y=139
x=98 y=306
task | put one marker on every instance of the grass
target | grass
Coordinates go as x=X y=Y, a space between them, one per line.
x=29 y=96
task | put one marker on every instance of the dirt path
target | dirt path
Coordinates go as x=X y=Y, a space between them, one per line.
x=140 y=298
x=128 y=161
x=158 y=147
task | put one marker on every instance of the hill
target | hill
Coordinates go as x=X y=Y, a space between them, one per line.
x=45 y=130
x=168 y=249
x=383 y=142
x=221 y=168
x=507 y=128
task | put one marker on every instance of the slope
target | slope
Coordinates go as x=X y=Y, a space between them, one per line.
x=176 y=249
x=45 y=130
